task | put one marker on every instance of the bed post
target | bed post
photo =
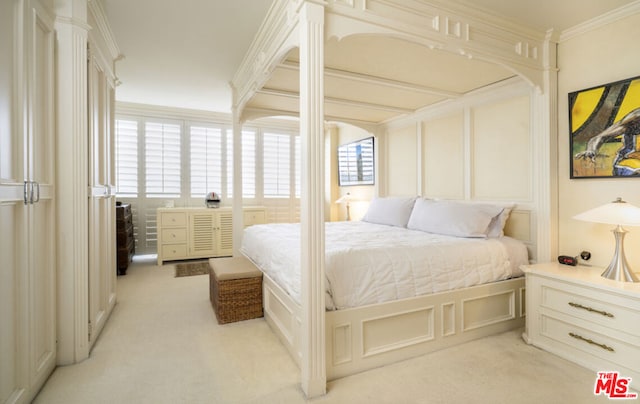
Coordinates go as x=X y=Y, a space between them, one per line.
x=238 y=224
x=311 y=31
x=546 y=154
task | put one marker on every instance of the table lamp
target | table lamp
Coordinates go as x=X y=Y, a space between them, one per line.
x=619 y=213
x=345 y=199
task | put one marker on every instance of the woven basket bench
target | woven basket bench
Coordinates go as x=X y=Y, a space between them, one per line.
x=235 y=289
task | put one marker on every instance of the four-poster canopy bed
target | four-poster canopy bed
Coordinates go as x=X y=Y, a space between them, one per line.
x=366 y=63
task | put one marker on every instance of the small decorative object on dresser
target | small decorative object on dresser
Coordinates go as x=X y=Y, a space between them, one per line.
x=125 y=242
x=575 y=313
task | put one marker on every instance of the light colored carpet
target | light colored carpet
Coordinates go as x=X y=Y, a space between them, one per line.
x=162 y=344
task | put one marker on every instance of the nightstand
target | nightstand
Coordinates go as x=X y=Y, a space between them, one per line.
x=580 y=316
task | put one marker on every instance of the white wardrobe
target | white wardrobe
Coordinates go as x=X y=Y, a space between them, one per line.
x=101 y=177
x=27 y=203
x=57 y=226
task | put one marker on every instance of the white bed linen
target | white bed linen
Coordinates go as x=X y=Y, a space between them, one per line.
x=370 y=263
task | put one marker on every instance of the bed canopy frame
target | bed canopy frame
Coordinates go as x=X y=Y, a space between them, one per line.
x=361 y=62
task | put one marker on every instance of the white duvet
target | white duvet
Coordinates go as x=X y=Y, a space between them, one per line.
x=370 y=263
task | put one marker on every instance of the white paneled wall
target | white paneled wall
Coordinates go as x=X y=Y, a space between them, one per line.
x=479 y=147
x=402 y=157
x=443 y=144
x=599 y=55
x=501 y=150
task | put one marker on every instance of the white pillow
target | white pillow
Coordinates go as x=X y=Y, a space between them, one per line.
x=392 y=211
x=496 y=227
x=453 y=218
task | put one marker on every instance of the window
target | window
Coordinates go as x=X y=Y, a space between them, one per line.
x=355 y=163
x=162 y=160
x=229 y=164
x=276 y=165
x=298 y=160
x=248 y=164
x=206 y=160
x=126 y=156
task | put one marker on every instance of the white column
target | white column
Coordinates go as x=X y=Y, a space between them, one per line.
x=311 y=26
x=545 y=130
x=238 y=215
x=71 y=176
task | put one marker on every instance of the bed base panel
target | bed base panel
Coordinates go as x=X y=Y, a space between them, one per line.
x=282 y=314
x=367 y=337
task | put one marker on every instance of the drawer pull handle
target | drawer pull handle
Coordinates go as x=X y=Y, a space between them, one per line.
x=579 y=306
x=592 y=342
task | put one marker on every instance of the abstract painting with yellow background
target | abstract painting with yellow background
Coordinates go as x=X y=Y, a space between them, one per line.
x=605 y=130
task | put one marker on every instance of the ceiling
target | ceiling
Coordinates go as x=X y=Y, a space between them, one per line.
x=184 y=53
x=372 y=79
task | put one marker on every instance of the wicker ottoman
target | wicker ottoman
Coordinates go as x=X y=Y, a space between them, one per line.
x=235 y=289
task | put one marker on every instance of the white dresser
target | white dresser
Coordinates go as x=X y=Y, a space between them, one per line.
x=575 y=313
x=186 y=233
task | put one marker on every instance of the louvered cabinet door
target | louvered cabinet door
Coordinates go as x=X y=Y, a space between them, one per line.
x=224 y=234
x=202 y=229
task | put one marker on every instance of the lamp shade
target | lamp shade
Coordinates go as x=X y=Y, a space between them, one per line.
x=617 y=212
x=344 y=198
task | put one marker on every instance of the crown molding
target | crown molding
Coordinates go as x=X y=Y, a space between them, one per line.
x=183 y=114
x=159 y=111
x=97 y=10
x=600 y=21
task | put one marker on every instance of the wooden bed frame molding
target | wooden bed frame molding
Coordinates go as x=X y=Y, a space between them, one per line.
x=306 y=25
x=363 y=338
x=438 y=25
x=367 y=337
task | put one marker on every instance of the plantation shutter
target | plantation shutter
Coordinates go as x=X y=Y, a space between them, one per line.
x=276 y=165
x=162 y=159
x=126 y=158
x=248 y=164
x=229 y=157
x=298 y=169
x=206 y=160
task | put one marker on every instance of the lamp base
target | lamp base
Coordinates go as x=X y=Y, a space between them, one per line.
x=618 y=269
x=619 y=274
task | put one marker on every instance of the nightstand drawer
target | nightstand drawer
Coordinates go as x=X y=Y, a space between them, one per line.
x=173 y=219
x=590 y=342
x=575 y=313
x=174 y=251
x=174 y=236
x=615 y=312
